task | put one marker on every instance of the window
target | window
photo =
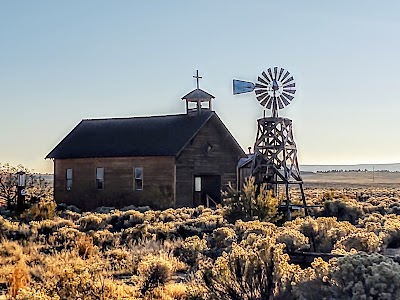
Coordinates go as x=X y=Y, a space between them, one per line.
x=68 y=185
x=197 y=184
x=138 y=179
x=100 y=178
x=207 y=148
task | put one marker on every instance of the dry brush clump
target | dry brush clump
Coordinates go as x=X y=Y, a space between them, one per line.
x=363 y=276
x=252 y=202
x=199 y=253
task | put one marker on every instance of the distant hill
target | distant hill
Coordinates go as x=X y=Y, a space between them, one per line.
x=377 y=167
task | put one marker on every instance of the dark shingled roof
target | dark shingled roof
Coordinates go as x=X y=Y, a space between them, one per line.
x=141 y=136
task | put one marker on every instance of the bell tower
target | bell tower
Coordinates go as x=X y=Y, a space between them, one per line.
x=198 y=100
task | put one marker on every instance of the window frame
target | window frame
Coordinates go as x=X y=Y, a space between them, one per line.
x=197 y=184
x=207 y=148
x=98 y=179
x=68 y=179
x=137 y=179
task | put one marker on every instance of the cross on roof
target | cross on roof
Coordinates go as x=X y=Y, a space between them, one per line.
x=197 y=78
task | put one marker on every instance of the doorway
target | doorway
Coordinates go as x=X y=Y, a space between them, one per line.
x=206 y=187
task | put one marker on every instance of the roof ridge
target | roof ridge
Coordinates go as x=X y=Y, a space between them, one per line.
x=134 y=136
x=138 y=117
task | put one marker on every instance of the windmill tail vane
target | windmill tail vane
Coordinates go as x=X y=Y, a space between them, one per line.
x=274 y=89
x=241 y=87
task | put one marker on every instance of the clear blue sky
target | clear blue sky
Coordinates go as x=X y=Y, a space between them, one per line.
x=62 y=61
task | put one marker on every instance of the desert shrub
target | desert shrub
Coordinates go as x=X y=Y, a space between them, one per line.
x=6 y=226
x=44 y=209
x=252 y=202
x=168 y=291
x=343 y=209
x=313 y=282
x=12 y=262
x=29 y=293
x=168 y=215
x=131 y=254
x=17 y=231
x=122 y=262
x=207 y=221
x=138 y=233
x=104 y=239
x=74 y=281
x=165 y=231
x=363 y=276
x=243 y=229
x=14 y=230
x=243 y=273
x=325 y=231
x=191 y=250
x=154 y=271
x=104 y=209
x=67 y=276
x=125 y=219
x=69 y=212
x=65 y=238
x=92 y=221
x=367 y=242
x=185 y=231
x=46 y=227
x=256 y=268
x=394 y=208
x=293 y=239
x=223 y=237
x=10 y=252
x=85 y=246
x=387 y=227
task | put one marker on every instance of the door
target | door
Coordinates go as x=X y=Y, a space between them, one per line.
x=207 y=185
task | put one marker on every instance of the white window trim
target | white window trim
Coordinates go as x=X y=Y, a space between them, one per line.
x=197 y=183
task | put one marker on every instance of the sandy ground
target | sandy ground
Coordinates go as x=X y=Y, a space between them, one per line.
x=352 y=179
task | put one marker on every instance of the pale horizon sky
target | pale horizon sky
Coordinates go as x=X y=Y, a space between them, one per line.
x=63 y=61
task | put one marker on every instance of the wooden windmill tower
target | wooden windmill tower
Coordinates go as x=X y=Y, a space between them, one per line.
x=275 y=152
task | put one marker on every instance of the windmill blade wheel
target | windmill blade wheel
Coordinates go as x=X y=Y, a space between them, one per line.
x=275 y=89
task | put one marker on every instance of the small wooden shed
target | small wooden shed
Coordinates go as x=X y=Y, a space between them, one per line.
x=160 y=161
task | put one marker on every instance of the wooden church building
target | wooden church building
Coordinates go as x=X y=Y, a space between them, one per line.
x=160 y=161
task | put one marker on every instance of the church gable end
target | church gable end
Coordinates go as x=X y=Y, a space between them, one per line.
x=211 y=157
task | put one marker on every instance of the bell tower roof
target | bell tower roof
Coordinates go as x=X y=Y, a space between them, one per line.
x=198 y=94
x=198 y=100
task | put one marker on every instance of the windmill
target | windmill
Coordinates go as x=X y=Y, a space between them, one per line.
x=275 y=154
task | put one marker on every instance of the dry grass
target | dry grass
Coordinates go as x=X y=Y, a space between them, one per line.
x=85 y=246
x=19 y=278
x=192 y=253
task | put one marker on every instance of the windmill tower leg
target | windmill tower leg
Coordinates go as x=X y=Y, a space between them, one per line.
x=275 y=161
x=303 y=198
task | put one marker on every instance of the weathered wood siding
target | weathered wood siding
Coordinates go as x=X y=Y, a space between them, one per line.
x=221 y=160
x=158 y=182
x=244 y=173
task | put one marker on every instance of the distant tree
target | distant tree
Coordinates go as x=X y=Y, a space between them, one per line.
x=36 y=186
